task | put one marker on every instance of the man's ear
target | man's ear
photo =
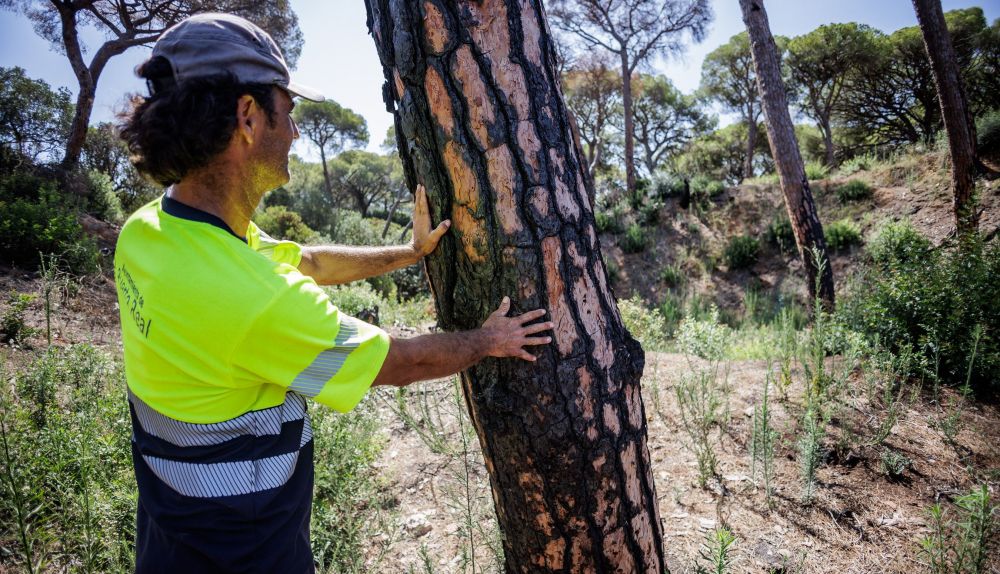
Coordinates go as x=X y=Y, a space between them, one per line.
x=247 y=118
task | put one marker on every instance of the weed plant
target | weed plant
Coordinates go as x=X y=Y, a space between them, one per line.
x=13 y=329
x=716 y=553
x=635 y=240
x=816 y=170
x=842 y=235
x=762 y=440
x=853 y=190
x=780 y=234
x=810 y=450
x=961 y=545
x=741 y=252
x=702 y=404
x=893 y=463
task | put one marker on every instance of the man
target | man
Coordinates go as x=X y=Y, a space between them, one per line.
x=225 y=329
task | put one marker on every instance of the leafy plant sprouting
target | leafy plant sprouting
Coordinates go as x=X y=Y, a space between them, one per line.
x=716 y=553
x=962 y=544
x=702 y=407
x=762 y=440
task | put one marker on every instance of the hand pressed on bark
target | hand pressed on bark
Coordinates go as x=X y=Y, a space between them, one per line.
x=425 y=239
x=442 y=354
x=509 y=335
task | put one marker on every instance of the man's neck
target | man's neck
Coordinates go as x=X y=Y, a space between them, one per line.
x=215 y=190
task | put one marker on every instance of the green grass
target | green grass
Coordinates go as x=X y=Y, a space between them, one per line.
x=854 y=190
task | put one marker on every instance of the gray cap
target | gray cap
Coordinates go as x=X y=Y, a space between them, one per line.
x=209 y=44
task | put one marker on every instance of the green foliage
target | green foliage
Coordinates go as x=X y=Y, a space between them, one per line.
x=646 y=325
x=893 y=463
x=700 y=404
x=102 y=202
x=716 y=553
x=667 y=185
x=68 y=462
x=665 y=119
x=720 y=155
x=780 y=233
x=842 y=234
x=762 y=439
x=105 y=153
x=34 y=118
x=863 y=162
x=962 y=545
x=911 y=297
x=35 y=219
x=704 y=337
x=854 y=190
x=703 y=187
x=673 y=276
x=988 y=135
x=12 y=326
x=741 y=252
x=810 y=447
x=816 y=170
x=280 y=223
x=329 y=126
x=635 y=239
x=610 y=220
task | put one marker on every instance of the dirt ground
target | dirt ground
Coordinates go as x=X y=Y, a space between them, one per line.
x=859 y=522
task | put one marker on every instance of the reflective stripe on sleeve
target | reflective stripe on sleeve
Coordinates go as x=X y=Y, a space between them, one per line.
x=325 y=366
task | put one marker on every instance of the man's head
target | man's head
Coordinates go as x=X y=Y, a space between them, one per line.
x=219 y=91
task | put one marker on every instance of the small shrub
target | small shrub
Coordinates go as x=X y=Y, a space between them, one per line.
x=281 y=223
x=762 y=439
x=858 y=163
x=988 y=134
x=893 y=463
x=742 y=252
x=716 y=553
x=816 y=170
x=706 y=338
x=842 y=234
x=700 y=406
x=962 y=546
x=649 y=212
x=911 y=297
x=672 y=275
x=610 y=220
x=780 y=233
x=854 y=190
x=102 y=201
x=645 y=324
x=668 y=186
x=635 y=239
x=705 y=187
x=12 y=326
x=810 y=448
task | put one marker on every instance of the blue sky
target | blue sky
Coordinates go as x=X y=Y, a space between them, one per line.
x=339 y=57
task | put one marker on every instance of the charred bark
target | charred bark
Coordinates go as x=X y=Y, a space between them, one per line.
x=481 y=122
x=784 y=147
x=958 y=121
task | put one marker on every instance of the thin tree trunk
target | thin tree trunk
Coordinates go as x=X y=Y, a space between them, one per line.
x=484 y=127
x=955 y=111
x=326 y=175
x=388 y=217
x=785 y=149
x=751 y=146
x=629 y=123
x=827 y=130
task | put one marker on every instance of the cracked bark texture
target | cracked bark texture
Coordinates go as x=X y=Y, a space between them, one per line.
x=785 y=150
x=480 y=121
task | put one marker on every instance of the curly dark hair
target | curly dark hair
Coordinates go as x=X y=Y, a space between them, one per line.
x=181 y=127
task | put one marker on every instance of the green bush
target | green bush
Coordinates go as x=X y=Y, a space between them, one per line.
x=943 y=305
x=672 y=275
x=780 y=233
x=854 y=190
x=610 y=220
x=102 y=201
x=649 y=212
x=645 y=324
x=707 y=338
x=858 y=163
x=816 y=170
x=842 y=234
x=35 y=220
x=988 y=135
x=668 y=185
x=635 y=239
x=742 y=252
x=12 y=326
x=281 y=223
x=705 y=187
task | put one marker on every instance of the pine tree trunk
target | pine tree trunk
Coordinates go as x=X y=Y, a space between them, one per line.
x=955 y=110
x=785 y=149
x=481 y=123
x=629 y=123
x=751 y=146
x=827 y=131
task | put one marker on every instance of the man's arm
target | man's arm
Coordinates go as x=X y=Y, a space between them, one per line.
x=442 y=354
x=338 y=264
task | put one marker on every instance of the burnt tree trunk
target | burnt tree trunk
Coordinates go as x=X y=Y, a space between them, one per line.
x=480 y=121
x=954 y=108
x=785 y=149
x=751 y=146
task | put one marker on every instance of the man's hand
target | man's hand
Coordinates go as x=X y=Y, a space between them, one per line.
x=507 y=336
x=425 y=240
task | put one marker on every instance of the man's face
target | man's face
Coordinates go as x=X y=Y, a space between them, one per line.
x=276 y=142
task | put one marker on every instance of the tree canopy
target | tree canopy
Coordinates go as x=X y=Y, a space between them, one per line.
x=34 y=118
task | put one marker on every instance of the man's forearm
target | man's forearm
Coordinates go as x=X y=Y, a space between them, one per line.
x=338 y=264
x=432 y=356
